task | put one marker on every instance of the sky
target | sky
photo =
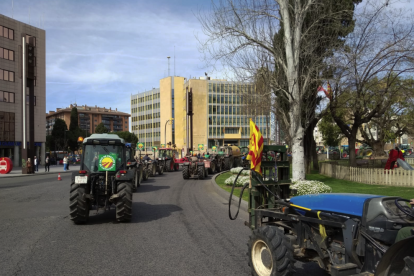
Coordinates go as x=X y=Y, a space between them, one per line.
x=99 y=52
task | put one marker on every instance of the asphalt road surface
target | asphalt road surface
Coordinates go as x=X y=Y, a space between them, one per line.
x=178 y=228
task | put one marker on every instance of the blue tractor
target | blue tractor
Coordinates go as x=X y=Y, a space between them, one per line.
x=345 y=234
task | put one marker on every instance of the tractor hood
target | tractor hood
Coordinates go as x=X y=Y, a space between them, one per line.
x=351 y=204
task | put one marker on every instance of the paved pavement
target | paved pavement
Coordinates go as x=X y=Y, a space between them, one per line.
x=178 y=228
x=17 y=171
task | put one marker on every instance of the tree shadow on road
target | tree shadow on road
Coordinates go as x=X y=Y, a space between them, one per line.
x=143 y=212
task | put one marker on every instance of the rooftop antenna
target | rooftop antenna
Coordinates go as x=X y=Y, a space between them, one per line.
x=168 y=66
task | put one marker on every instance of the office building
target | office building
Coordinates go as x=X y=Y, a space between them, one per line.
x=220 y=116
x=11 y=92
x=89 y=118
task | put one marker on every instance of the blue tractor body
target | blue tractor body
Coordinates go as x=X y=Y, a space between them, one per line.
x=344 y=203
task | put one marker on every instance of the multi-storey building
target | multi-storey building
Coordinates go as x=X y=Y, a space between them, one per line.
x=145 y=121
x=12 y=96
x=89 y=118
x=220 y=116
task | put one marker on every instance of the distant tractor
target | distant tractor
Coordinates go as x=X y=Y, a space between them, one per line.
x=194 y=169
x=132 y=164
x=103 y=179
x=167 y=157
x=231 y=156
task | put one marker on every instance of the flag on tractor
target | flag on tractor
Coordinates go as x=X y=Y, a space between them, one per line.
x=255 y=148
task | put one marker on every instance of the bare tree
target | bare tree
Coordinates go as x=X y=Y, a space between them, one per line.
x=246 y=35
x=378 y=52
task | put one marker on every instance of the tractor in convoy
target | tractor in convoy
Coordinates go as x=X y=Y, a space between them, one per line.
x=230 y=156
x=195 y=168
x=344 y=233
x=103 y=180
x=134 y=165
x=167 y=157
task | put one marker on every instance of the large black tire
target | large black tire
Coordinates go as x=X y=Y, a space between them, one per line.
x=200 y=172
x=79 y=205
x=168 y=166
x=186 y=172
x=136 y=180
x=270 y=252
x=212 y=168
x=227 y=165
x=124 y=202
x=154 y=169
x=161 y=170
x=176 y=166
x=205 y=173
x=218 y=167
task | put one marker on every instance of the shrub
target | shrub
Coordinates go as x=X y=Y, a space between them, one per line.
x=308 y=187
x=238 y=169
x=240 y=181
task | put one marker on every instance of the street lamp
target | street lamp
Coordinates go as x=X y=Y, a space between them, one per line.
x=165 y=131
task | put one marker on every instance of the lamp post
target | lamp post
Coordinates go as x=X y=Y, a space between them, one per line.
x=165 y=130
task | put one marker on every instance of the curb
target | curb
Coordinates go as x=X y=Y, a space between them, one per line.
x=32 y=174
x=226 y=195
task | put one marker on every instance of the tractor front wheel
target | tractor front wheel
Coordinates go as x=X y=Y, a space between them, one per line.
x=161 y=170
x=168 y=166
x=186 y=172
x=124 y=202
x=136 y=180
x=200 y=172
x=176 y=166
x=270 y=252
x=79 y=206
x=205 y=173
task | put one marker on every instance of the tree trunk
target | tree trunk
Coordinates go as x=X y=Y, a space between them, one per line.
x=378 y=148
x=352 y=155
x=314 y=155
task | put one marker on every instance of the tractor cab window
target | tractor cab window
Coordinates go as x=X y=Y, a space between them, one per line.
x=93 y=152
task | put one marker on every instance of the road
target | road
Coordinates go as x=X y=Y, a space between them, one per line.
x=178 y=228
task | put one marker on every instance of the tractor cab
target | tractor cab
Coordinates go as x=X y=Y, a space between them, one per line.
x=166 y=153
x=226 y=151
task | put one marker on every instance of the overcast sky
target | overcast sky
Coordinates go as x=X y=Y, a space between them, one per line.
x=99 y=52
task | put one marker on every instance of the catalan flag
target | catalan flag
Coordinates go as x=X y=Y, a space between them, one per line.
x=329 y=92
x=255 y=148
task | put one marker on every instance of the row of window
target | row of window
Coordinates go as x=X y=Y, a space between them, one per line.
x=6 y=75
x=146 y=107
x=145 y=98
x=220 y=131
x=235 y=121
x=6 y=32
x=149 y=135
x=224 y=99
x=7 y=117
x=148 y=126
x=7 y=131
x=219 y=143
x=230 y=88
x=7 y=97
x=6 y=54
x=146 y=117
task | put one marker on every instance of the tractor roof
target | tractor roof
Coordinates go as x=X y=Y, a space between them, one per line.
x=103 y=137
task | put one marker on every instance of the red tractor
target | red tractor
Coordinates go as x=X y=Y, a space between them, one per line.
x=167 y=157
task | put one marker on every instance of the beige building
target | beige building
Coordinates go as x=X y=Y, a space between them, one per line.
x=89 y=117
x=11 y=94
x=218 y=118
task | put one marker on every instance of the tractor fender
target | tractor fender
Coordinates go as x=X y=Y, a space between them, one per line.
x=186 y=164
x=125 y=177
x=398 y=256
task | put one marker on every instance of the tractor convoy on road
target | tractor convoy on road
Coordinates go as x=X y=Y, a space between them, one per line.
x=345 y=234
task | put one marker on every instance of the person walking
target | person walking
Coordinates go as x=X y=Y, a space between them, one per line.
x=29 y=166
x=36 y=164
x=47 y=164
x=65 y=163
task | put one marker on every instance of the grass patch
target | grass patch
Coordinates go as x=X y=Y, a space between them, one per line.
x=220 y=181
x=345 y=186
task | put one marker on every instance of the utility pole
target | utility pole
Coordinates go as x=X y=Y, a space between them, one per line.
x=190 y=114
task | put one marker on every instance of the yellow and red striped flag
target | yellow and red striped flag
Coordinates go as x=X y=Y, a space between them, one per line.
x=255 y=148
x=329 y=92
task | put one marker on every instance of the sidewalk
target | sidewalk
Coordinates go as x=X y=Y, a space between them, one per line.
x=17 y=171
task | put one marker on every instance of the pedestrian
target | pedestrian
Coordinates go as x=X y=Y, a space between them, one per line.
x=47 y=164
x=29 y=166
x=36 y=164
x=65 y=163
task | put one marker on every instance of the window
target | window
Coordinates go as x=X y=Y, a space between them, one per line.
x=27 y=100
x=6 y=97
x=6 y=32
x=6 y=75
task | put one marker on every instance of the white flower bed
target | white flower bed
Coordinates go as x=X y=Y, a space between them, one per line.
x=240 y=181
x=238 y=169
x=308 y=187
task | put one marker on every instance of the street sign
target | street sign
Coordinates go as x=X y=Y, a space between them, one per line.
x=200 y=146
x=107 y=162
x=6 y=165
x=214 y=148
x=140 y=146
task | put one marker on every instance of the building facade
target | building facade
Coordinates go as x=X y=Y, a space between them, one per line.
x=220 y=116
x=89 y=118
x=145 y=120
x=11 y=92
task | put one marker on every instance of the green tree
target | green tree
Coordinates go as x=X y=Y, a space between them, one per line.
x=101 y=128
x=331 y=133
x=58 y=134
x=74 y=124
x=129 y=137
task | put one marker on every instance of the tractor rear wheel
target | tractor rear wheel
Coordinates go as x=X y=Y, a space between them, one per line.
x=212 y=168
x=200 y=172
x=168 y=166
x=218 y=167
x=79 y=206
x=136 y=180
x=124 y=202
x=270 y=252
x=176 y=166
x=186 y=173
x=227 y=165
